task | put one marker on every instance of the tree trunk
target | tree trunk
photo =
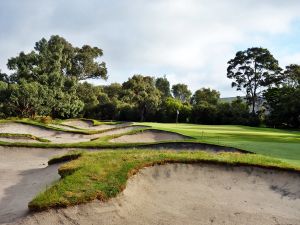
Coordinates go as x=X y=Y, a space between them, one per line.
x=253 y=106
x=142 y=114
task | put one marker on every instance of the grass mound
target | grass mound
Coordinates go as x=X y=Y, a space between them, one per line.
x=102 y=175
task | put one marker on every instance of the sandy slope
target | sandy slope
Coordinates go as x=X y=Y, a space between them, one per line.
x=191 y=194
x=148 y=136
x=56 y=136
x=23 y=174
x=85 y=124
x=19 y=139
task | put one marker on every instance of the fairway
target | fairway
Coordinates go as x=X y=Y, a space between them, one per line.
x=277 y=143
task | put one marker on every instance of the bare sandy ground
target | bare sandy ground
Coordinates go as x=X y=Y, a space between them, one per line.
x=149 y=136
x=18 y=139
x=84 y=124
x=56 y=136
x=23 y=174
x=61 y=126
x=191 y=194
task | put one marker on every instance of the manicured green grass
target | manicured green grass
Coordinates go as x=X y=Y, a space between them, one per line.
x=283 y=144
x=102 y=175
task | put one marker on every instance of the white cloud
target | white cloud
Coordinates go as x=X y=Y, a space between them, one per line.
x=189 y=40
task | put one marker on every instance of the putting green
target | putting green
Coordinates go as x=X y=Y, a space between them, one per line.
x=283 y=144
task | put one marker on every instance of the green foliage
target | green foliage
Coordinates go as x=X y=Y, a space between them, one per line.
x=45 y=81
x=283 y=102
x=25 y=98
x=181 y=92
x=141 y=92
x=204 y=113
x=3 y=77
x=89 y=95
x=291 y=75
x=284 y=106
x=206 y=95
x=55 y=59
x=163 y=85
x=252 y=69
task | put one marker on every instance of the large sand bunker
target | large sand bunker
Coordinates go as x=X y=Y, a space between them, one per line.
x=192 y=194
x=23 y=174
x=149 y=136
x=56 y=136
x=86 y=124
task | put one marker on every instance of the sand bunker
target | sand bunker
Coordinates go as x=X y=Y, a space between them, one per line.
x=19 y=139
x=149 y=136
x=23 y=174
x=191 y=194
x=61 y=126
x=86 y=124
x=56 y=136
x=51 y=135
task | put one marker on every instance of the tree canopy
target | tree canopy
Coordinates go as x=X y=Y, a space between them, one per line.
x=181 y=92
x=52 y=80
x=252 y=70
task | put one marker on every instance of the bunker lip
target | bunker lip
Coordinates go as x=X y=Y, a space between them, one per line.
x=88 y=124
x=18 y=139
x=192 y=193
x=148 y=136
x=58 y=137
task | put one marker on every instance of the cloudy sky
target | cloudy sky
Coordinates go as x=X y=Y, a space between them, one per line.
x=189 y=41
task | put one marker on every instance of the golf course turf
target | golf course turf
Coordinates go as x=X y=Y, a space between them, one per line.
x=281 y=144
x=102 y=175
x=122 y=149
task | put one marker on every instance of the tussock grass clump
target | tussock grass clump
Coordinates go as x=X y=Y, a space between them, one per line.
x=102 y=175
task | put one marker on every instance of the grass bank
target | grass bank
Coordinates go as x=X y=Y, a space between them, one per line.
x=102 y=175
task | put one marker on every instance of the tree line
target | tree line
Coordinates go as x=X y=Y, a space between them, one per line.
x=51 y=81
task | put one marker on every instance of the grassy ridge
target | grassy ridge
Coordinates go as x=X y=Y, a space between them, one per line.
x=102 y=175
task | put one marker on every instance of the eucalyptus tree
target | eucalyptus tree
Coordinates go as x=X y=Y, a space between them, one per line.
x=141 y=92
x=252 y=70
x=58 y=66
x=181 y=92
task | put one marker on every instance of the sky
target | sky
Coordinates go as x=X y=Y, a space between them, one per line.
x=189 y=41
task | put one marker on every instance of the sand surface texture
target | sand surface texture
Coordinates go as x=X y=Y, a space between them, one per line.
x=85 y=124
x=23 y=174
x=149 y=136
x=191 y=194
x=55 y=136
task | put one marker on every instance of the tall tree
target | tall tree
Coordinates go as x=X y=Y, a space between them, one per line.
x=291 y=75
x=252 y=70
x=141 y=91
x=206 y=95
x=57 y=57
x=181 y=92
x=58 y=67
x=163 y=85
x=283 y=101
